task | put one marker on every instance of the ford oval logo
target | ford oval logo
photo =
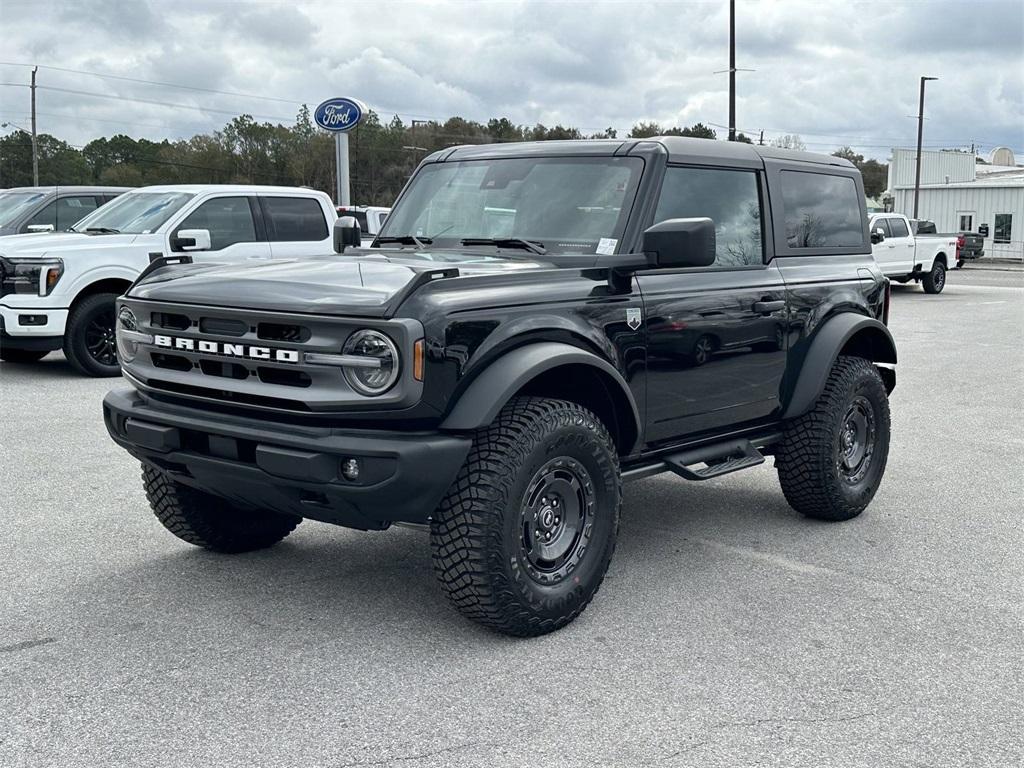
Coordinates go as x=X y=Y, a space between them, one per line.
x=339 y=114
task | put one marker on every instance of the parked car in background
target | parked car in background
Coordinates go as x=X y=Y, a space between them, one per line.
x=369 y=217
x=969 y=245
x=58 y=290
x=50 y=209
x=903 y=256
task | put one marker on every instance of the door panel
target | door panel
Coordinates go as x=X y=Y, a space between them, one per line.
x=716 y=343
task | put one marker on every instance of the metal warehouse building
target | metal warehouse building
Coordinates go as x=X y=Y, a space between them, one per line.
x=960 y=194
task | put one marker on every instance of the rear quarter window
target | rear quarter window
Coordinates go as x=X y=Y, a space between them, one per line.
x=821 y=210
x=295 y=219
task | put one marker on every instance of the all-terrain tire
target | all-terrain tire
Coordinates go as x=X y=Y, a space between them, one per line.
x=208 y=521
x=810 y=458
x=935 y=280
x=487 y=561
x=9 y=355
x=85 y=320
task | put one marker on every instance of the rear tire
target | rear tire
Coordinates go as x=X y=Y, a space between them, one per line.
x=89 y=337
x=935 y=280
x=22 y=355
x=208 y=521
x=524 y=537
x=831 y=459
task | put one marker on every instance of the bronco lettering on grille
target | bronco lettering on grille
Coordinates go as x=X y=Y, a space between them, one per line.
x=274 y=354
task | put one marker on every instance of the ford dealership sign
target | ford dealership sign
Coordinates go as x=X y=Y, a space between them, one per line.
x=339 y=114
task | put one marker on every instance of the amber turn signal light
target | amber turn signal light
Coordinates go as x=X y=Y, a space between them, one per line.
x=417 y=360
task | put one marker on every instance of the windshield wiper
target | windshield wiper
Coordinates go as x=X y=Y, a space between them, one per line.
x=419 y=242
x=507 y=242
x=103 y=230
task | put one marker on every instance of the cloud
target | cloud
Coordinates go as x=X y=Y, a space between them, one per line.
x=834 y=73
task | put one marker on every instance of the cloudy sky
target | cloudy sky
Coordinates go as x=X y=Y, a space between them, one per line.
x=833 y=72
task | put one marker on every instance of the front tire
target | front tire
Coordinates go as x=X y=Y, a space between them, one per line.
x=22 y=355
x=935 y=280
x=831 y=459
x=208 y=521
x=89 y=343
x=524 y=537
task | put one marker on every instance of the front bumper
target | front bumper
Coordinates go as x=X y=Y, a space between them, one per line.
x=289 y=468
x=10 y=321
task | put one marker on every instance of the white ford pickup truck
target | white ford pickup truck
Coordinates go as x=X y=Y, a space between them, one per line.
x=57 y=290
x=904 y=257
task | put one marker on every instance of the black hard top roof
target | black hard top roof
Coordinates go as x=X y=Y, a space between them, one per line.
x=679 y=148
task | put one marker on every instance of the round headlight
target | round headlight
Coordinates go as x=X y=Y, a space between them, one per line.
x=380 y=372
x=126 y=349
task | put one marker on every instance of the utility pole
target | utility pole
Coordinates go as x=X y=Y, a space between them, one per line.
x=760 y=141
x=35 y=144
x=732 y=70
x=920 y=136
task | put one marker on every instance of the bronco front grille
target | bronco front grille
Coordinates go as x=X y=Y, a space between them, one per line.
x=258 y=359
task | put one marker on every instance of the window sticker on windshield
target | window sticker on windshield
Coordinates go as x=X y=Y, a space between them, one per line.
x=606 y=246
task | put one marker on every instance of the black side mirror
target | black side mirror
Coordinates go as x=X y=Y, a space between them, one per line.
x=346 y=233
x=877 y=236
x=681 y=243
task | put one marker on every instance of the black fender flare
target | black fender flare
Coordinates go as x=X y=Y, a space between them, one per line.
x=828 y=342
x=488 y=392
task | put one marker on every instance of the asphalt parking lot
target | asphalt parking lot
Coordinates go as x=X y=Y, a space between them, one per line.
x=730 y=631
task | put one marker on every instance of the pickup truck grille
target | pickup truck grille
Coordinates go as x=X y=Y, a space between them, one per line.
x=258 y=359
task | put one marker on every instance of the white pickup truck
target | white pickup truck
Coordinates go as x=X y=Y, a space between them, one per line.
x=57 y=290
x=903 y=257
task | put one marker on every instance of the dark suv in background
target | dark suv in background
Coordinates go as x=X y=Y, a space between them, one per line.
x=534 y=324
x=50 y=209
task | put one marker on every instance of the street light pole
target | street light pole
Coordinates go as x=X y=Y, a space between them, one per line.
x=920 y=136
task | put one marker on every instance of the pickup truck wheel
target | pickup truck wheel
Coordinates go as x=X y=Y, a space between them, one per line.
x=935 y=280
x=524 y=537
x=89 y=343
x=21 y=355
x=831 y=459
x=208 y=521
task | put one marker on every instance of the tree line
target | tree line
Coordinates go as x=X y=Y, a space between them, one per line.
x=382 y=154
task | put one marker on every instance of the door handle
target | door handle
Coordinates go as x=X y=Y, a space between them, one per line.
x=767 y=307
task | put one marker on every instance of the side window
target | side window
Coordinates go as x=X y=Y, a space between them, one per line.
x=1003 y=227
x=882 y=224
x=729 y=198
x=295 y=218
x=47 y=216
x=821 y=210
x=72 y=209
x=229 y=220
x=899 y=228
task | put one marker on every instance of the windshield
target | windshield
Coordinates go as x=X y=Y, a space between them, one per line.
x=565 y=204
x=135 y=213
x=14 y=204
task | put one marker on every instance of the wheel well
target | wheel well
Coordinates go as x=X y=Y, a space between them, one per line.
x=872 y=344
x=594 y=390
x=110 y=285
x=942 y=257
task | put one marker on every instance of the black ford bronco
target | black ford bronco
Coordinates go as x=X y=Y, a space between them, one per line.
x=534 y=324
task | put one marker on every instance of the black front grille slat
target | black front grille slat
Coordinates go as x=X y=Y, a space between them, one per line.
x=170 y=321
x=228 y=396
x=283 y=332
x=172 y=362
x=223 y=326
x=224 y=370
x=287 y=377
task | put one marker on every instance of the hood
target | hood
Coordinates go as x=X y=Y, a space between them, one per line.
x=58 y=243
x=362 y=282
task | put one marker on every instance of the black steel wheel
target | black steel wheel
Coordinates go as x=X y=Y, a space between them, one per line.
x=831 y=459
x=524 y=536
x=89 y=342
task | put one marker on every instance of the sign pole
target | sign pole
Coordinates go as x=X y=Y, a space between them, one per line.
x=344 y=192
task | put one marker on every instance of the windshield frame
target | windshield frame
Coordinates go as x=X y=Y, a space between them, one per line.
x=637 y=164
x=96 y=217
